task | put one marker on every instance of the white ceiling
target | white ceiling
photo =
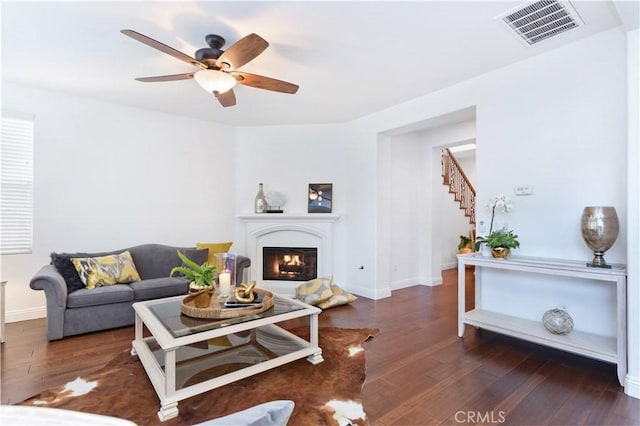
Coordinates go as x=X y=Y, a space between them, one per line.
x=349 y=58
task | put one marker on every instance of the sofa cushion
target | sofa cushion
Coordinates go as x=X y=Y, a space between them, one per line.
x=156 y=288
x=213 y=249
x=157 y=260
x=106 y=270
x=62 y=262
x=100 y=296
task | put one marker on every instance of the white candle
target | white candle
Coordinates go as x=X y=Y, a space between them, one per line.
x=225 y=283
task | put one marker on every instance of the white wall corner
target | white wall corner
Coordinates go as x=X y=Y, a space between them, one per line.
x=632 y=386
x=369 y=293
x=629 y=13
x=431 y=282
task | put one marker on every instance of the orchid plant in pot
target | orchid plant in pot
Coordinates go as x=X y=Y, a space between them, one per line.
x=500 y=241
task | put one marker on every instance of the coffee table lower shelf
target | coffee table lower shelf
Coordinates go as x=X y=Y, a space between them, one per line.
x=190 y=370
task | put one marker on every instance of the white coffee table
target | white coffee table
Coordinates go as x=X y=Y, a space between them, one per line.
x=187 y=356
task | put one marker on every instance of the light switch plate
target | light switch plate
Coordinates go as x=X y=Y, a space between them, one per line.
x=523 y=190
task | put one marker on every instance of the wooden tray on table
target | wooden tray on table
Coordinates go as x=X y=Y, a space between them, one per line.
x=216 y=309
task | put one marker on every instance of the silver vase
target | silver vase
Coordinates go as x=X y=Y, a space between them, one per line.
x=599 y=229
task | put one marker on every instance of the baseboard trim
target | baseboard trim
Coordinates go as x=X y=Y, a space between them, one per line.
x=449 y=265
x=375 y=294
x=25 y=314
x=407 y=282
x=632 y=386
x=437 y=280
x=431 y=282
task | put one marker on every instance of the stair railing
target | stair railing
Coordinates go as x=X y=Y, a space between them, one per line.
x=459 y=184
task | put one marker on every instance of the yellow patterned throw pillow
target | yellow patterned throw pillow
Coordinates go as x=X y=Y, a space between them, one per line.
x=106 y=270
x=213 y=249
x=339 y=297
x=315 y=291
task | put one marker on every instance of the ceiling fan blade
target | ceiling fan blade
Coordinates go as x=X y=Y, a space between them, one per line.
x=241 y=52
x=266 y=83
x=163 y=48
x=172 y=77
x=227 y=98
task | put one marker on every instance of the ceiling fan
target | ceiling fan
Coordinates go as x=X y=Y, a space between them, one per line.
x=219 y=68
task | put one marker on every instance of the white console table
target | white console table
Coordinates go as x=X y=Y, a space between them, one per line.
x=609 y=349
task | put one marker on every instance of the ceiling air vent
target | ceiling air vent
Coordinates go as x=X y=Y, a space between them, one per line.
x=540 y=20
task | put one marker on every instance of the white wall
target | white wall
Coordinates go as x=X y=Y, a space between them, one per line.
x=407 y=187
x=632 y=385
x=109 y=177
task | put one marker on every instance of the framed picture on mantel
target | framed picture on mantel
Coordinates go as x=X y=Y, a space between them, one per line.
x=320 y=195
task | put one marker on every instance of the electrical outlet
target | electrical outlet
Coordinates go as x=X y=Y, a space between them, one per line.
x=482 y=227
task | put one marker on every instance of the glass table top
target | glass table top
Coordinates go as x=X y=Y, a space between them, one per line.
x=170 y=316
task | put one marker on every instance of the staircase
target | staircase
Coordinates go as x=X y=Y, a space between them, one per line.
x=459 y=185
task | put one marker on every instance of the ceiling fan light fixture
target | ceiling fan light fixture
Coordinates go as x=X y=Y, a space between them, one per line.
x=214 y=80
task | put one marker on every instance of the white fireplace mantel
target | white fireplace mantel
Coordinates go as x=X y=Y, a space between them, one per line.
x=288 y=230
x=283 y=217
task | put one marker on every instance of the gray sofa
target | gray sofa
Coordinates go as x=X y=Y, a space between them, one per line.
x=72 y=311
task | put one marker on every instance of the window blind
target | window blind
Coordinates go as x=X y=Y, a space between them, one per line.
x=16 y=184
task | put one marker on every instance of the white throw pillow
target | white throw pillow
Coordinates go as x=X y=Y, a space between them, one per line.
x=274 y=413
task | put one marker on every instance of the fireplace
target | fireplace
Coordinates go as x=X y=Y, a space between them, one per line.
x=289 y=231
x=289 y=263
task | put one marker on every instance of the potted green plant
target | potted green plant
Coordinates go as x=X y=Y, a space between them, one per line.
x=500 y=242
x=465 y=245
x=201 y=277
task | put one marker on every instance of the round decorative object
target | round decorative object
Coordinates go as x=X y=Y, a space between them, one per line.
x=599 y=229
x=557 y=321
x=275 y=200
x=500 y=252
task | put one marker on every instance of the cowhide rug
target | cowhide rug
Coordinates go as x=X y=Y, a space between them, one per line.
x=328 y=393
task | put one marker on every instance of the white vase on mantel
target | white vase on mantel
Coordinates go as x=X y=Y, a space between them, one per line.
x=485 y=251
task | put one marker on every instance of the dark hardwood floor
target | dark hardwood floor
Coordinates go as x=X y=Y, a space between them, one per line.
x=418 y=371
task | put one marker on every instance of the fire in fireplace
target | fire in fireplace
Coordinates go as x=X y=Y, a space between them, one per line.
x=289 y=263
